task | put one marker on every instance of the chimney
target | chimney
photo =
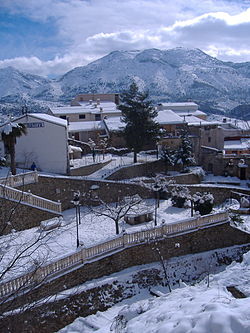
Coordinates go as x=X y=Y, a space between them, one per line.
x=98 y=101
x=90 y=101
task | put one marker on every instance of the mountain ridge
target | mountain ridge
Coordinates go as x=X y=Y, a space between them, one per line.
x=174 y=75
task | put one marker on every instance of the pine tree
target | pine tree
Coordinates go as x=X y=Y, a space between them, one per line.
x=184 y=154
x=138 y=114
x=167 y=156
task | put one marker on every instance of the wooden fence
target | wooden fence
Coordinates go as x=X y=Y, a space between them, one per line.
x=126 y=240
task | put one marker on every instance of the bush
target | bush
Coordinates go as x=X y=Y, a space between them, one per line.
x=179 y=196
x=203 y=202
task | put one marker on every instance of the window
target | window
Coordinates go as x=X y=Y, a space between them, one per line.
x=82 y=116
x=209 y=139
x=63 y=117
x=97 y=117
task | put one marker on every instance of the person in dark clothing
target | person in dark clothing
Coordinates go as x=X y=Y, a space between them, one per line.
x=33 y=166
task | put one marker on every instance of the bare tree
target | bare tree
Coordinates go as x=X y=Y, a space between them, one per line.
x=117 y=211
x=19 y=255
x=155 y=247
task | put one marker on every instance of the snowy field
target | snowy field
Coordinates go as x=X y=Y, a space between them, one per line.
x=51 y=245
x=188 y=309
x=93 y=229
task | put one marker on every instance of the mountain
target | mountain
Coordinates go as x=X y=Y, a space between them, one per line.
x=178 y=74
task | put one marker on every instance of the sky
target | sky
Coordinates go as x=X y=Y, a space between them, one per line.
x=51 y=37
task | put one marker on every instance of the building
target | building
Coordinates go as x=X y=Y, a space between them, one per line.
x=183 y=109
x=86 y=113
x=46 y=143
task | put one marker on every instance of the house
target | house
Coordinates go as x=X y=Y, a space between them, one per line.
x=85 y=115
x=85 y=130
x=183 y=109
x=236 y=146
x=46 y=143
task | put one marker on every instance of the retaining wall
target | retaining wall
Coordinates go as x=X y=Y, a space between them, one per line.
x=88 y=169
x=139 y=170
x=205 y=239
x=98 y=296
x=14 y=215
x=62 y=189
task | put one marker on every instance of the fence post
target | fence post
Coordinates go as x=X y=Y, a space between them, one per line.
x=35 y=176
x=30 y=198
x=11 y=180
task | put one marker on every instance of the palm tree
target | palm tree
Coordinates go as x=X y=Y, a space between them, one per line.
x=10 y=132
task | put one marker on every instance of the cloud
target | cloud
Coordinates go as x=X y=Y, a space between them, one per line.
x=54 y=67
x=91 y=29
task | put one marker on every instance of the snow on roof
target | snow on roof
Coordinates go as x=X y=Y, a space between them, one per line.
x=195 y=121
x=85 y=126
x=42 y=116
x=179 y=105
x=49 y=118
x=107 y=107
x=114 y=123
x=74 y=148
x=168 y=117
x=190 y=112
x=242 y=144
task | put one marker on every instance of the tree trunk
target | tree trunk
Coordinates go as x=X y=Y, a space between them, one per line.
x=116 y=227
x=135 y=157
x=12 y=157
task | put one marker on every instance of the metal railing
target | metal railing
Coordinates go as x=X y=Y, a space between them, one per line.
x=126 y=240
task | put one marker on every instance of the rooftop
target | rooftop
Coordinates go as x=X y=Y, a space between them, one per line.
x=86 y=107
x=85 y=126
x=168 y=117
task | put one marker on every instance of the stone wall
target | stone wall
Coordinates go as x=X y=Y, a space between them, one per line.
x=14 y=215
x=104 y=293
x=62 y=189
x=140 y=170
x=204 y=239
x=214 y=161
x=220 y=193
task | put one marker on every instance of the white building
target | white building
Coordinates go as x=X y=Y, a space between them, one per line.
x=46 y=143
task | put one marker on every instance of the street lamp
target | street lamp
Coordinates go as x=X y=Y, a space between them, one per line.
x=156 y=189
x=157 y=147
x=76 y=202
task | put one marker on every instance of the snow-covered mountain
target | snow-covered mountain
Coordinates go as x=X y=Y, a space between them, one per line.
x=169 y=75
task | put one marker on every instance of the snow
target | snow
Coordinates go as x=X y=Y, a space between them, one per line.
x=168 y=117
x=81 y=126
x=242 y=144
x=114 y=123
x=93 y=229
x=47 y=117
x=185 y=105
x=188 y=309
x=7 y=128
x=86 y=107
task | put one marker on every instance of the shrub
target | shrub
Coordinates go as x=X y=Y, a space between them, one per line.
x=179 y=196
x=203 y=202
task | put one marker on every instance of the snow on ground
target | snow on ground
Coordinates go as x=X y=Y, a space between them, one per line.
x=93 y=229
x=116 y=162
x=60 y=242
x=188 y=309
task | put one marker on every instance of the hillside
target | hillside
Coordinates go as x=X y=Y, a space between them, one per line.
x=178 y=74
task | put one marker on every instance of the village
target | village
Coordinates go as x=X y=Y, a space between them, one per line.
x=77 y=206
